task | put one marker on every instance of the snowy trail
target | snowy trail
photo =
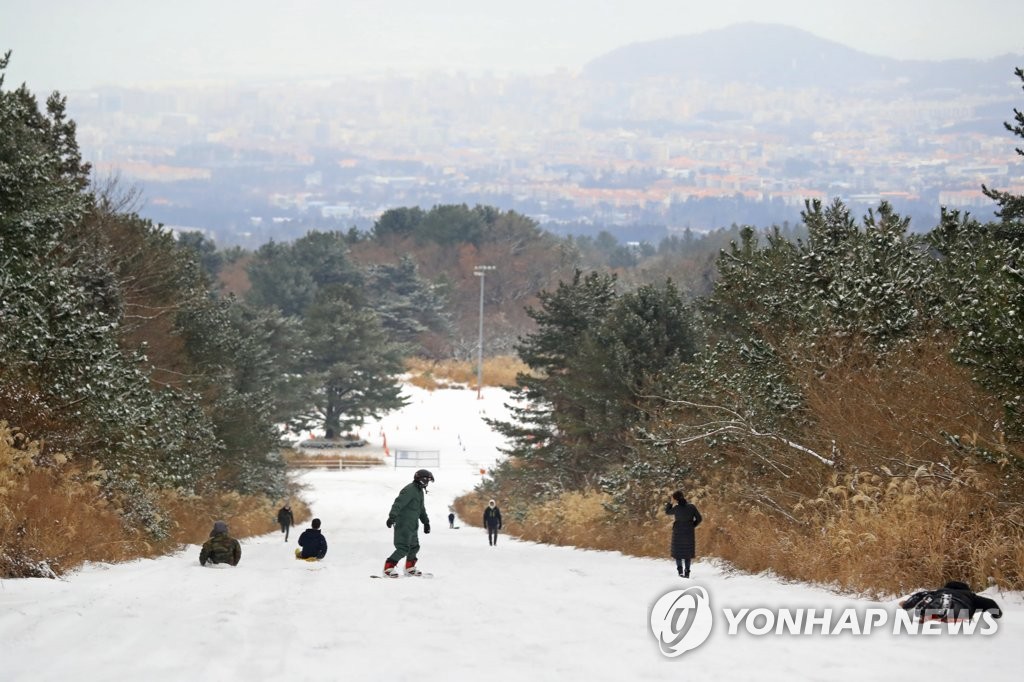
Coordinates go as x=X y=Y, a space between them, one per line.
x=515 y=611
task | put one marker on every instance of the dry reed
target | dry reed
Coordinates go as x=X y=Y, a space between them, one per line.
x=54 y=517
x=430 y=375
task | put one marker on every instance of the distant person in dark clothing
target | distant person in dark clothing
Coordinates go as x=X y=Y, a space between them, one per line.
x=312 y=542
x=286 y=519
x=683 y=542
x=954 y=601
x=221 y=548
x=492 y=521
x=451 y=520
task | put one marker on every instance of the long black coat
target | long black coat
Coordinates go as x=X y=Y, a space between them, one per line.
x=687 y=518
x=492 y=518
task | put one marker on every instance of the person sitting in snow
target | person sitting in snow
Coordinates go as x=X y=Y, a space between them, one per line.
x=492 y=522
x=951 y=602
x=683 y=542
x=221 y=548
x=406 y=513
x=286 y=519
x=312 y=543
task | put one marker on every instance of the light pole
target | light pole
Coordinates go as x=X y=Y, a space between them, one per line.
x=481 y=272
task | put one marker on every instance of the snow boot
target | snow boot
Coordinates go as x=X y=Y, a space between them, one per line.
x=391 y=569
x=410 y=568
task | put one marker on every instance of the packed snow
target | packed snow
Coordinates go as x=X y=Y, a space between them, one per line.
x=515 y=611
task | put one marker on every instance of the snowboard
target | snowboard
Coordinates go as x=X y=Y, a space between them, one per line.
x=386 y=577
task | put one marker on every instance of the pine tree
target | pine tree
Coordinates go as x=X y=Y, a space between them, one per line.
x=407 y=305
x=1011 y=206
x=982 y=278
x=546 y=398
x=348 y=359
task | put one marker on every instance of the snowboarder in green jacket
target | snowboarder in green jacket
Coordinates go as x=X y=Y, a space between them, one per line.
x=405 y=515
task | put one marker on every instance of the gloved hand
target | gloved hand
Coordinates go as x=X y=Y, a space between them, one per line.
x=391 y=522
x=426 y=527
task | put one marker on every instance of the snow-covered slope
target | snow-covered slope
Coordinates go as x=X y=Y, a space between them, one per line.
x=512 y=612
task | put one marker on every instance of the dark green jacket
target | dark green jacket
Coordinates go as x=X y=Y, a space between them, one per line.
x=221 y=549
x=409 y=507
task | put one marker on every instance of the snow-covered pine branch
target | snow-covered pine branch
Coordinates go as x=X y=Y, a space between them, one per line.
x=737 y=424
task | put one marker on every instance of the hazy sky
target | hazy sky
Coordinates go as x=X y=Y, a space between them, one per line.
x=71 y=44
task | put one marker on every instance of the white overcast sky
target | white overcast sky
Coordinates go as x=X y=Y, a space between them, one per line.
x=72 y=44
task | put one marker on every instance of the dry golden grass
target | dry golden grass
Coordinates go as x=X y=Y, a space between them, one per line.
x=576 y=518
x=899 y=537
x=298 y=460
x=877 y=413
x=430 y=375
x=54 y=518
x=54 y=523
x=881 y=534
x=246 y=515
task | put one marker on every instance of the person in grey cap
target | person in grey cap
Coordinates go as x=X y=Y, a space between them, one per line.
x=221 y=548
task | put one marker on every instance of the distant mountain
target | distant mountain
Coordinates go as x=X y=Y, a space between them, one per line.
x=776 y=56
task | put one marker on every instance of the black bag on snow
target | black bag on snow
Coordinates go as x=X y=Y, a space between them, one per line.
x=944 y=604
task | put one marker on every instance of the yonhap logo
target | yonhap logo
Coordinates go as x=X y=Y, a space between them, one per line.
x=681 y=620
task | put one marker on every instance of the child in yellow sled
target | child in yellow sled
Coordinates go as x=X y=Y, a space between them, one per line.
x=312 y=543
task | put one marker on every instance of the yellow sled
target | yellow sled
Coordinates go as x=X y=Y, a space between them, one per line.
x=298 y=555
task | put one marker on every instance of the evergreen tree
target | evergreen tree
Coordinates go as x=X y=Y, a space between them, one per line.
x=546 y=397
x=205 y=252
x=406 y=304
x=982 y=278
x=348 y=360
x=982 y=270
x=398 y=222
x=618 y=369
x=356 y=361
x=452 y=224
x=289 y=277
x=99 y=316
x=1011 y=206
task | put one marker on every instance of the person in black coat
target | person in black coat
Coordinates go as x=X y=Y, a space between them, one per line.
x=286 y=519
x=312 y=542
x=683 y=541
x=492 y=521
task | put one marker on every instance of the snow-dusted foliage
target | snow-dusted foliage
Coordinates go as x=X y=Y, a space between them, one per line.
x=112 y=346
x=847 y=281
x=983 y=284
x=1011 y=206
x=787 y=304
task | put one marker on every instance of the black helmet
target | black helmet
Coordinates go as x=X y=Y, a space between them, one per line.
x=423 y=477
